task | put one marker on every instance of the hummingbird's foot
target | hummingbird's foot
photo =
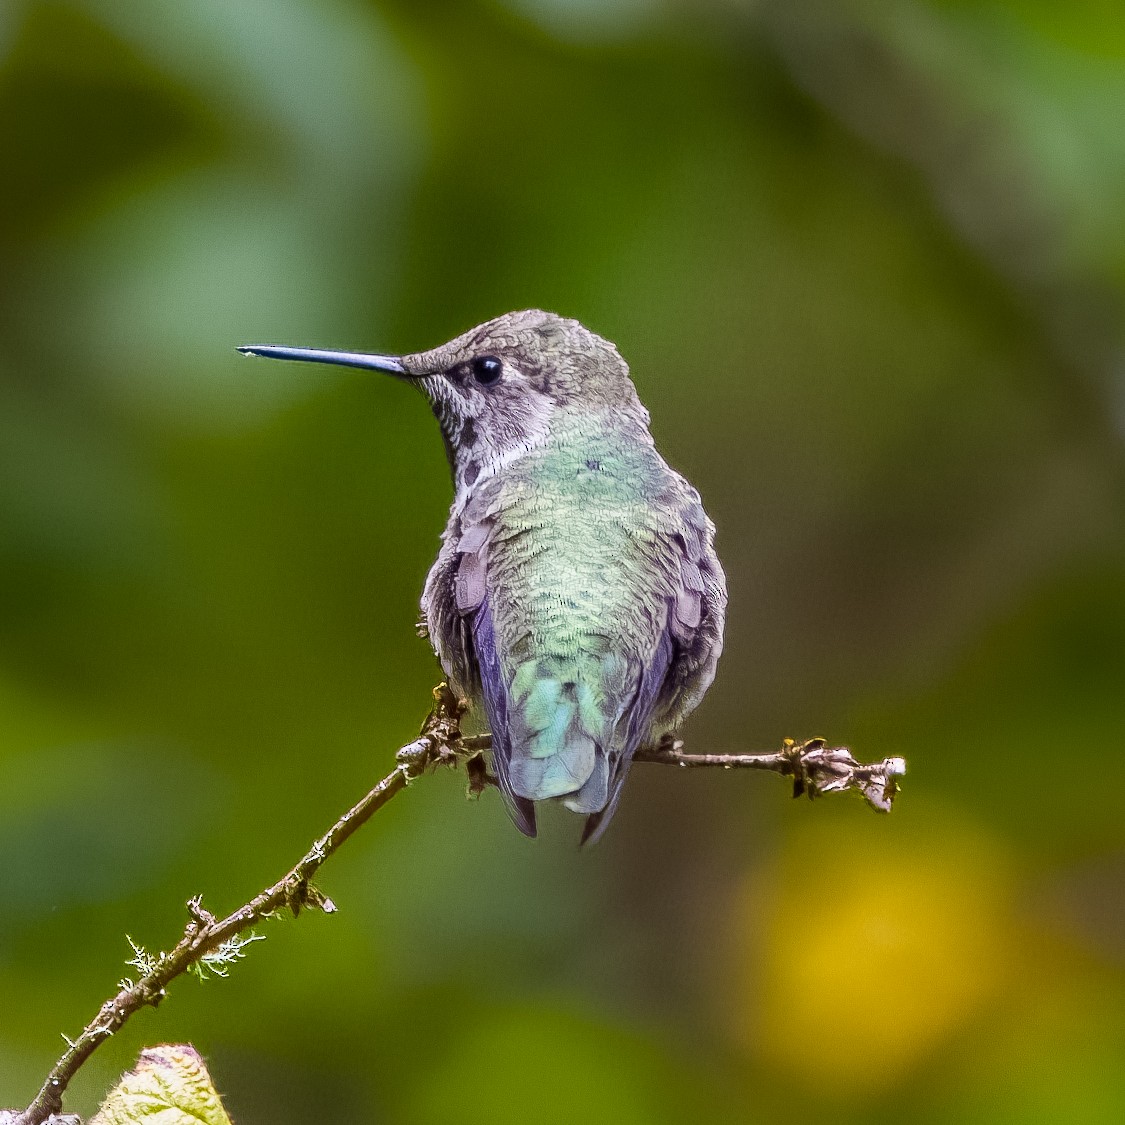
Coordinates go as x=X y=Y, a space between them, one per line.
x=479 y=778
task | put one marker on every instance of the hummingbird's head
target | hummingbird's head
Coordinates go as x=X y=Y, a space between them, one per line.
x=502 y=387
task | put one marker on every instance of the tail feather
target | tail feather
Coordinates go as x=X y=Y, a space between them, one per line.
x=539 y=778
x=555 y=747
x=635 y=720
x=597 y=822
x=520 y=809
x=566 y=727
x=594 y=794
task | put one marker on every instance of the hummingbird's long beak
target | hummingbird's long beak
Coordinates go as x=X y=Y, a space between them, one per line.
x=388 y=363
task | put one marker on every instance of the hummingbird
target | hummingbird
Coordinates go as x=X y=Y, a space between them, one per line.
x=576 y=598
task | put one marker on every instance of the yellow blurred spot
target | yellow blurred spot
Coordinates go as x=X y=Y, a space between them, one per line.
x=862 y=950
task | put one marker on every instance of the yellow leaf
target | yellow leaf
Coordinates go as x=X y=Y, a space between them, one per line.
x=169 y=1086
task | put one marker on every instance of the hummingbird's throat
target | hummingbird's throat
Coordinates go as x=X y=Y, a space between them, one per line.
x=462 y=445
x=483 y=434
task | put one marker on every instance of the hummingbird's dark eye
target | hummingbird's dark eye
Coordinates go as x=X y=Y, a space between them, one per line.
x=486 y=369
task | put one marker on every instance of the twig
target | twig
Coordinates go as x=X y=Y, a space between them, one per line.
x=209 y=943
x=814 y=766
x=204 y=934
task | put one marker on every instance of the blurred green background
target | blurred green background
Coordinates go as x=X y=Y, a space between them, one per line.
x=868 y=263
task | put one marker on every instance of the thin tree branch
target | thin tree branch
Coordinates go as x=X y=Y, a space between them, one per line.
x=210 y=942
x=205 y=934
x=815 y=767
